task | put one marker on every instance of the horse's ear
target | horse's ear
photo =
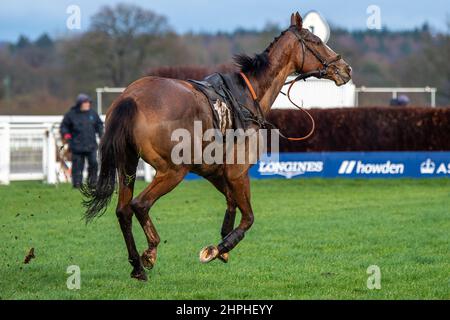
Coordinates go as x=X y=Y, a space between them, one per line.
x=298 y=21
x=293 y=19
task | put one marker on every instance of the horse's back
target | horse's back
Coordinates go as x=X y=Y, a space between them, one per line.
x=171 y=98
x=163 y=106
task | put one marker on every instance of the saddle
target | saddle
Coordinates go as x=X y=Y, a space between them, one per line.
x=226 y=99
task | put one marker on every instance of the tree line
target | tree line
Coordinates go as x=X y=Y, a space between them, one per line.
x=125 y=42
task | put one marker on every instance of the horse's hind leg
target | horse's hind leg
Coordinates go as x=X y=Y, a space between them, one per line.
x=125 y=213
x=163 y=183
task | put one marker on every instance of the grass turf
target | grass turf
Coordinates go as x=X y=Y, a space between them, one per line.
x=311 y=239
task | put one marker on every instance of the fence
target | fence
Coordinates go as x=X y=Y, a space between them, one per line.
x=366 y=129
x=29 y=147
x=313 y=92
x=316 y=93
x=394 y=92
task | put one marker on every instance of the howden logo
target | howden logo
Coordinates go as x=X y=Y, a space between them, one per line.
x=358 y=167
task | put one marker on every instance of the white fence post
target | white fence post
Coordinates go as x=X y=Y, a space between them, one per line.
x=100 y=91
x=50 y=155
x=433 y=97
x=5 y=152
x=99 y=101
x=149 y=172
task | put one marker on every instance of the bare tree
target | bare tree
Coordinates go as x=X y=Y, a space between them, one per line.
x=121 y=36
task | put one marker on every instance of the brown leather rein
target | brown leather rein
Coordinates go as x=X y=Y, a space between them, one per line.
x=319 y=73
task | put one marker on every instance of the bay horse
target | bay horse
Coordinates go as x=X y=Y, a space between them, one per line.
x=140 y=121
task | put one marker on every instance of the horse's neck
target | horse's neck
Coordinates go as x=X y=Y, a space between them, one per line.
x=271 y=81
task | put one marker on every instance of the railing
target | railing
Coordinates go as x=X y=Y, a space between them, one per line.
x=396 y=91
x=26 y=146
x=28 y=150
x=317 y=93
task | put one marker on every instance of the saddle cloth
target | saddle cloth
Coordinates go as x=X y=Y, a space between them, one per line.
x=226 y=99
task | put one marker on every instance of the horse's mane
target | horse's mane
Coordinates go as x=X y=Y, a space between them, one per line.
x=260 y=62
x=252 y=65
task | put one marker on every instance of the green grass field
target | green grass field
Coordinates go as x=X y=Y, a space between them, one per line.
x=312 y=239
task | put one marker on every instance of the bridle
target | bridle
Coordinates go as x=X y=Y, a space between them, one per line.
x=319 y=73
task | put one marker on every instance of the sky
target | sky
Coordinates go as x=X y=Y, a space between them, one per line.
x=34 y=17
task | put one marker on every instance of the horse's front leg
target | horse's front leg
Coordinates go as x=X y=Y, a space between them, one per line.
x=227 y=227
x=240 y=192
x=230 y=213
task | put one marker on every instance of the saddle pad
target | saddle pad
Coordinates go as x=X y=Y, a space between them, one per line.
x=224 y=98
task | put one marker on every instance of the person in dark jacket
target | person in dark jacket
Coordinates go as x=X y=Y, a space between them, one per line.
x=79 y=128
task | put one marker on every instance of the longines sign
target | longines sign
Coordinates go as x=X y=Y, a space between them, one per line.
x=353 y=165
x=356 y=165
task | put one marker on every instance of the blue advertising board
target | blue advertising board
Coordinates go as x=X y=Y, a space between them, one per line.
x=353 y=165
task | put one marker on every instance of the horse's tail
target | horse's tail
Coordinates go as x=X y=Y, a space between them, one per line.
x=115 y=144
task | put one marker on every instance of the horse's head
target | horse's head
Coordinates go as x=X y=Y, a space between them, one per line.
x=313 y=55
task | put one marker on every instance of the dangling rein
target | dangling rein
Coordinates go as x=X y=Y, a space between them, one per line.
x=303 y=76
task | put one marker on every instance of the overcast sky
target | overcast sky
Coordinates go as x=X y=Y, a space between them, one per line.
x=33 y=17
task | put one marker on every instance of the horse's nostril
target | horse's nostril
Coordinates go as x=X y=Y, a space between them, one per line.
x=349 y=70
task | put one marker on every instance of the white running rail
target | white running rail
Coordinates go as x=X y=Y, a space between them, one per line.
x=29 y=146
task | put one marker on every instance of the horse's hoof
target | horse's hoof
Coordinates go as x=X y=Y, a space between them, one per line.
x=224 y=257
x=148 y=260
x=208 y=254
x=139 y=275
x=147 y=263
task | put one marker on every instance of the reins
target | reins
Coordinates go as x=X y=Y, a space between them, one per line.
x=288 y=95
